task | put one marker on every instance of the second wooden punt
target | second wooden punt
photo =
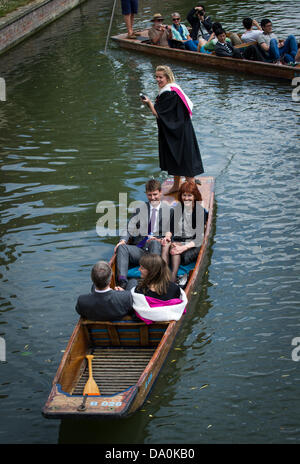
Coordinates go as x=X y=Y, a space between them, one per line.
x=141 y=44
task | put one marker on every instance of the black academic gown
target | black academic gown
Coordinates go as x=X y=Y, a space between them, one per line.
x=179 y=152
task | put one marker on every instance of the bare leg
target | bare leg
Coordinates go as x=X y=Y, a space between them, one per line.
x=165 y=249
x=175 y=186
x=129 y=23
x=200 y=44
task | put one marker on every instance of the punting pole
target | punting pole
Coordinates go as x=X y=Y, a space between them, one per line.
x=110 y=24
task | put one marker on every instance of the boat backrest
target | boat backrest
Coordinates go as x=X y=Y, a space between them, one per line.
x=124 y=333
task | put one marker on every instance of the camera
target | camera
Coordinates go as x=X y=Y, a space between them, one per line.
x=142 y=96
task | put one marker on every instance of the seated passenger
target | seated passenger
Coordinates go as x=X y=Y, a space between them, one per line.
x=225 y=49
x=189 y=219
x=251 y=52
x=209 y=46
x=181 y=35
x=250 y=35
x=145 y=229
x=277 y=50
x=104 y=303
x=156 y=298
x=201 y=24
x=159 y=34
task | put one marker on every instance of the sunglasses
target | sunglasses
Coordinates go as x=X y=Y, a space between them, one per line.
x=176 y=19
x=160 y=20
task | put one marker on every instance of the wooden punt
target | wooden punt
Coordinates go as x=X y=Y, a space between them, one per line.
x=127 y=355
x=141 y=44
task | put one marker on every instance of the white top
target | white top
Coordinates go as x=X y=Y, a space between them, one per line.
x=251 y=36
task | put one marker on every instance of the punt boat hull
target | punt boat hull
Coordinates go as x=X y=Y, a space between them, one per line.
x=207 y=60
x=128 y=355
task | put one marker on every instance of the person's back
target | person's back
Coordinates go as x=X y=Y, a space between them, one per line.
x=172 y=291
x=104 y=303
x=251 y=35
x=111 y=305
x=156 y=298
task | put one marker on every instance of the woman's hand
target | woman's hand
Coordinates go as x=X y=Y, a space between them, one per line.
x=177 y=248
x=146 y=100
x=167 y=239
x=119 y=289
x=121 y=242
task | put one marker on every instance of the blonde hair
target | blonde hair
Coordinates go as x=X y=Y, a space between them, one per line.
x=167 y=72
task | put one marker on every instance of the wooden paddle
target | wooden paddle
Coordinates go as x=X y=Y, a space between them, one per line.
x=91 y=387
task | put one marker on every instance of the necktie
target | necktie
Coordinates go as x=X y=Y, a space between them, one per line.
x=152 y=221
x=150 y=228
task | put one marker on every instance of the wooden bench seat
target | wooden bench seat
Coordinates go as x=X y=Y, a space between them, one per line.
x=125 y=333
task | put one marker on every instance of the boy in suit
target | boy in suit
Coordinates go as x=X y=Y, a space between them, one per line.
x=146 y=229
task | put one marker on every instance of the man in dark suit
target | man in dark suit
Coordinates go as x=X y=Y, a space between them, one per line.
x=152 y=222
x=104 y=303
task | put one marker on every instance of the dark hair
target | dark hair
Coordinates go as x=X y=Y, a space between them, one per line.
x=220 y=31
x=158 y=276
x=216 y=26
x=101 y=274
x=264 y=22
x=247 y=23
x=153 y=185
x=189 y=187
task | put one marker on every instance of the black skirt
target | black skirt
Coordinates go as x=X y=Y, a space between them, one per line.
x=179 y=152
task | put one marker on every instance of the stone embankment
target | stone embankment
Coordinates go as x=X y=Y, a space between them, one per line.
x=26 y=20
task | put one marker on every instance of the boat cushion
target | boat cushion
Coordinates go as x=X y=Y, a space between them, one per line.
x=134 y=272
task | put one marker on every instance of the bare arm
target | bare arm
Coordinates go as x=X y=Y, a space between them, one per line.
x=148 y=102
x=255 y=23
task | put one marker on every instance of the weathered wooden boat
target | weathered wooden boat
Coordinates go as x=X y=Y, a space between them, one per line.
x=128 y=355
x=142 y=44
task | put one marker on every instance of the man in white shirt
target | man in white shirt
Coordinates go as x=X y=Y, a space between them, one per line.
x=274 y=49
x=251 y=35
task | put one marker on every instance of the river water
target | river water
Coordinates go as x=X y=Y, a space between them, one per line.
x=73 y=133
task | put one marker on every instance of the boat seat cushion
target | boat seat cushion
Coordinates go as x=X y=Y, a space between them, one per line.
x=134 y=273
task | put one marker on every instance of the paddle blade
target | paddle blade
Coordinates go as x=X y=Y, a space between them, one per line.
x=91 y=388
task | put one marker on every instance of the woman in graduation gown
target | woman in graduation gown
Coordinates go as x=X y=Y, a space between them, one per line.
x=179 y=152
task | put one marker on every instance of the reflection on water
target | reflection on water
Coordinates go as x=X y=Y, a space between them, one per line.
x=73 y=133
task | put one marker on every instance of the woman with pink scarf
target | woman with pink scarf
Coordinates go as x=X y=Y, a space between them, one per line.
x=179 y=152
x=156 y=298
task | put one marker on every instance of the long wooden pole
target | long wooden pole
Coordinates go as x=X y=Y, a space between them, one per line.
x=110 y=24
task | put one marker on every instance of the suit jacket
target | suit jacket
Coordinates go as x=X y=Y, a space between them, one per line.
x=221 y=51
x=140 y=220
x=107 y=306
x=195 y=23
